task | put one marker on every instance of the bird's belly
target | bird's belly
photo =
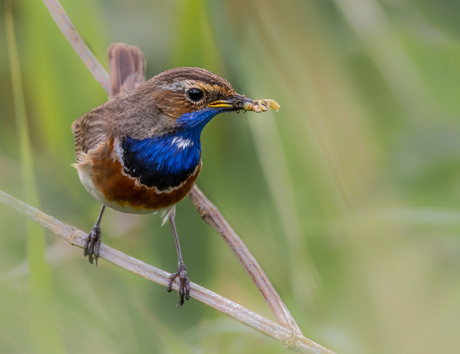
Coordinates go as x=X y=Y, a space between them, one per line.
x=106 y=181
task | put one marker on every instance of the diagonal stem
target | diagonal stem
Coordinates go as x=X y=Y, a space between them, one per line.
x=67 y=28
x=213 y=217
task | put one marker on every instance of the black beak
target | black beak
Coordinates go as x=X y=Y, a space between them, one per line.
x=239 y=102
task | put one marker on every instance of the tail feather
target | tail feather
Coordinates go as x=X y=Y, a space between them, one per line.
x=127 y=68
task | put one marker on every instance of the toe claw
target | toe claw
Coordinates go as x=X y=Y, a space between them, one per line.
x=93 y=244
x=171 y=279
x=184 y=284
x=187 y=289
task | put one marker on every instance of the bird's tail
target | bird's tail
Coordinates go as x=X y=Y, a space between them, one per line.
x=127 y=68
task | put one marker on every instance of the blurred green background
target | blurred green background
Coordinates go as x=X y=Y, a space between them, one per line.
x=348 y=196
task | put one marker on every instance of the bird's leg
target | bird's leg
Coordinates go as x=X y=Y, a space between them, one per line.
x=184 y=282
x=93 y=241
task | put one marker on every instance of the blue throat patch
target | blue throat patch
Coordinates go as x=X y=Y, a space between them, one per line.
x=167 y=160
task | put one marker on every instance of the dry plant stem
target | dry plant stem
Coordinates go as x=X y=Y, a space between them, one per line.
x=213 y=217
x=63 y=21
x=208 y=211
x=289 y=338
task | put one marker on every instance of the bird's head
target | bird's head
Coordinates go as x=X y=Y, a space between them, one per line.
x=191 y=97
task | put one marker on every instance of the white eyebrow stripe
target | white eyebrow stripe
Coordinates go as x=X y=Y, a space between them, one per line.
x=181 y=142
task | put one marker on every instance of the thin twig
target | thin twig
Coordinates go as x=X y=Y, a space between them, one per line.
x=213 y=217
x=74 y=38
x=76 y=237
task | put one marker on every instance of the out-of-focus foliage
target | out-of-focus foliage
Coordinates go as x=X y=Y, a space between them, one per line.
x=348 y=196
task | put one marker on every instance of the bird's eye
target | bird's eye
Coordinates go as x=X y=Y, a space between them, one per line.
x=195 y=94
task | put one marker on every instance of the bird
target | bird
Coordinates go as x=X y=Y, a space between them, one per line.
x=140 y=152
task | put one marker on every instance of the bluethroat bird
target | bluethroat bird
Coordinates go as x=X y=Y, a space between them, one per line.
x=140 y=152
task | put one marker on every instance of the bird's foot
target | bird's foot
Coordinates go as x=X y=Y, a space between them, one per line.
x=184 y=283
x=93 y=244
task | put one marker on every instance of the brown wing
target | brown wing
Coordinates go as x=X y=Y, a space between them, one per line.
x=89 y=132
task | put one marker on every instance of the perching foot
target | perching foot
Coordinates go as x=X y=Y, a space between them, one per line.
x=184 y=283
x=93 y=244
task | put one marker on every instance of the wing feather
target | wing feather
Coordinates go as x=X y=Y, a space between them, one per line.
x=89 y=132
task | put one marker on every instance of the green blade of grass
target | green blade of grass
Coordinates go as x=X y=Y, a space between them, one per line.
x=197 y=47
x=44 y=329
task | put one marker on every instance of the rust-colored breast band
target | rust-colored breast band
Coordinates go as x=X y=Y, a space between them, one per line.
x=126 y=191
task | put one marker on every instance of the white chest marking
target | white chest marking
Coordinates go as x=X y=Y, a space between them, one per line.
x=180 y=142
